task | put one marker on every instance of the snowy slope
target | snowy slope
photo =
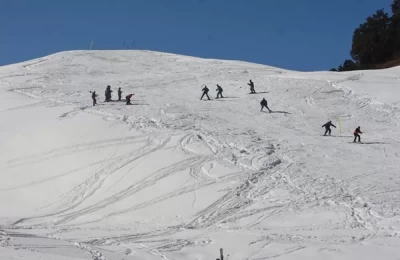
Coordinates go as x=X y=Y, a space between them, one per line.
x=173 y=177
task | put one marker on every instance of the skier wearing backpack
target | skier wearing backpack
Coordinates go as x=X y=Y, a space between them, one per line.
x=219 y=89
x=205 y=92
x=328 y=128
x=264 y=103
x=357 y=133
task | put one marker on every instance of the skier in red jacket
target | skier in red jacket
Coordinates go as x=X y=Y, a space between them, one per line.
x=128 y=99
x=357 y=133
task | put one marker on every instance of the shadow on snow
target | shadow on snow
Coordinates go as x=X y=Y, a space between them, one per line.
x=259 y=93
x=280 y=112
x=368 y=143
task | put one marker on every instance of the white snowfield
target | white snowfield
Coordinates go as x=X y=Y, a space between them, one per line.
x=173 y=177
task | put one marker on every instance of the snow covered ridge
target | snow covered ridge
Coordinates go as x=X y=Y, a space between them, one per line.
x=174 y=177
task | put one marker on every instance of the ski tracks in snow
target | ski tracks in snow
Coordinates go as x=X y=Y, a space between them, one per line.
x=115 y=142
x=278 y=165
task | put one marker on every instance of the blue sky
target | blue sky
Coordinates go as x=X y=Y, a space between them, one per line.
x=294 y=34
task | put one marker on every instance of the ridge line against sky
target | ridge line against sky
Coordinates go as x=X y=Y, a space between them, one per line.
x=303 y=35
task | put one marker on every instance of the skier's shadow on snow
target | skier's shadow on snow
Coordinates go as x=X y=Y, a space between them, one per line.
x=139 y=104
x=221 y=99
x=277 y=112
x=369 y=143
x=280 y=112
x=374 y=143
x=259 y=93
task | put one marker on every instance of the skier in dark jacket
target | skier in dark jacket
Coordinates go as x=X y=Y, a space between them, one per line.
x=108 y=93
x=205 y=92
x=119 y=94
x=94 y=95
x=357 y=133
x=251 y=84
x=328 y=128
x=264 y=103
x=128 y=99
x=219 y=89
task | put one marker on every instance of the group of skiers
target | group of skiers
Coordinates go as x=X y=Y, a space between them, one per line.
x=356 y=132
x=263 y=103
x=220 y=90
x=108 y=92
x=205 y=92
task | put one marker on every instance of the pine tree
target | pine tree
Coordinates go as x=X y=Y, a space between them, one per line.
x=371 y=41
x=395 y=6
x=395 y=27
x=376 y=41
x=348 y=65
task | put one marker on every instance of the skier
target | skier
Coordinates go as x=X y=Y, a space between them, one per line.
x=357 y=133
x=205 y=92
x=264 y=103
x=251 y=84
x=94 y=95
x=108 y=93
x=219 y=89
x=119 y=94
x=328 y=128
x=128 y=99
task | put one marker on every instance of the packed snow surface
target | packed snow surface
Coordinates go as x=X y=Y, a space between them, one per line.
x=174 y=177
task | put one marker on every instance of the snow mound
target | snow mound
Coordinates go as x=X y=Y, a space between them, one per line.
x=174 y=177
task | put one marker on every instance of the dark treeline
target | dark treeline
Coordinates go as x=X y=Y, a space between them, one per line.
x=376 y=42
